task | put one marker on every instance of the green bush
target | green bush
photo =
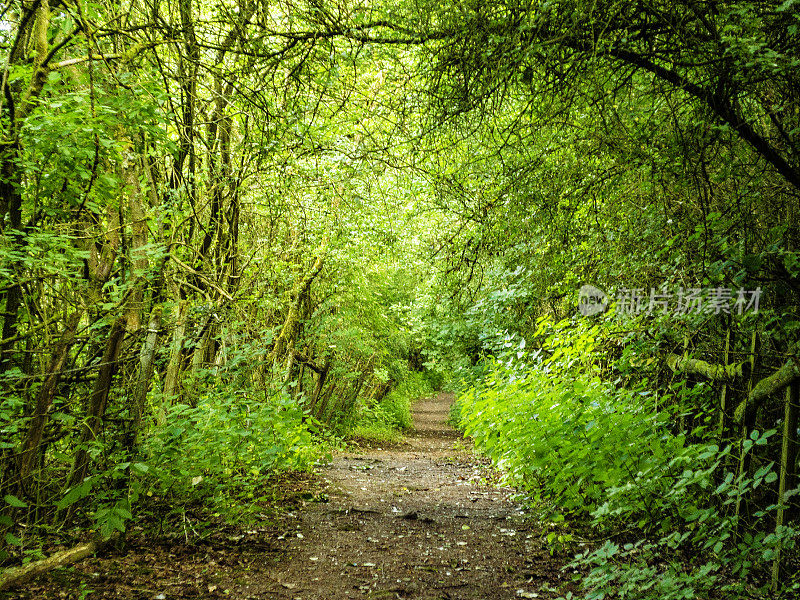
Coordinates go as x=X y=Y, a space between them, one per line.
x=613 y=458
x=384 y=420
x=567 y=441
x=230 y=439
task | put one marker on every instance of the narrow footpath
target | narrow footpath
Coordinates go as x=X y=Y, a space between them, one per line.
x=422 y=520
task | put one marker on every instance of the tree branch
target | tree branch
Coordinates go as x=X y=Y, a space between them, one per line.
x=784 y=376
x=694 y=366
x=720 y=106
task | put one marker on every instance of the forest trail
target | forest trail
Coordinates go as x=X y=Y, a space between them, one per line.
x=421 y=520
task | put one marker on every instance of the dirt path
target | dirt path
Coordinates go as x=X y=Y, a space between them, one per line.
x=418 y=521
x=421 y=520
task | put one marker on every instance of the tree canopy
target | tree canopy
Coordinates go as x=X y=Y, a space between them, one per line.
x=294 y=217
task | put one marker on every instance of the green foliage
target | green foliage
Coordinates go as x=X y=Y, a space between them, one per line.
x=385 y=419
x=459 y=340
x=612 y=457
x=564 y=435
x=229 y=440
x=704 y=545
x=544 y=146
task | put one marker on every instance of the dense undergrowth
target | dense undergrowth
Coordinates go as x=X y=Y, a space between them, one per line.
x=669 y=515
x=218 y=458
x=234 y=442
x=387 y=418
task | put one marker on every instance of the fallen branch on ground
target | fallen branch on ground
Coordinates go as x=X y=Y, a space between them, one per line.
x=19 y=575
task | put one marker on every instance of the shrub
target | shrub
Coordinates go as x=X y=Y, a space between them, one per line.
x=228 y=440
x=614 y=458
x=384 y=420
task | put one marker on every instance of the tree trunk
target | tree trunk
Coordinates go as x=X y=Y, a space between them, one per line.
x=787 y=374
x=18 y=575
x=146 y=359
x=323 y=410
x=176 y=352
x=10 y=152
x=10 y=184
x=44 y=399
x=788 y=473
x=724 y=422
x=285 y=341
x=694 y=366
x=96 y=407
x=139 y=262
x=745 y=458
x=321 y=377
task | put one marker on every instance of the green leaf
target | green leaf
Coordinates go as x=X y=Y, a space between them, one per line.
x=72 y=496
x=124 y=513
x=762 y=472
x=14 y=501
x=76 y=493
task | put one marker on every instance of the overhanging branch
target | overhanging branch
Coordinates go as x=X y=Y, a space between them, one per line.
x=720 y=106
x=694 y=366
x=781 y=378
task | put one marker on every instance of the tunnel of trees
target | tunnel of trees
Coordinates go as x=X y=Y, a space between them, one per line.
x=232 y=231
